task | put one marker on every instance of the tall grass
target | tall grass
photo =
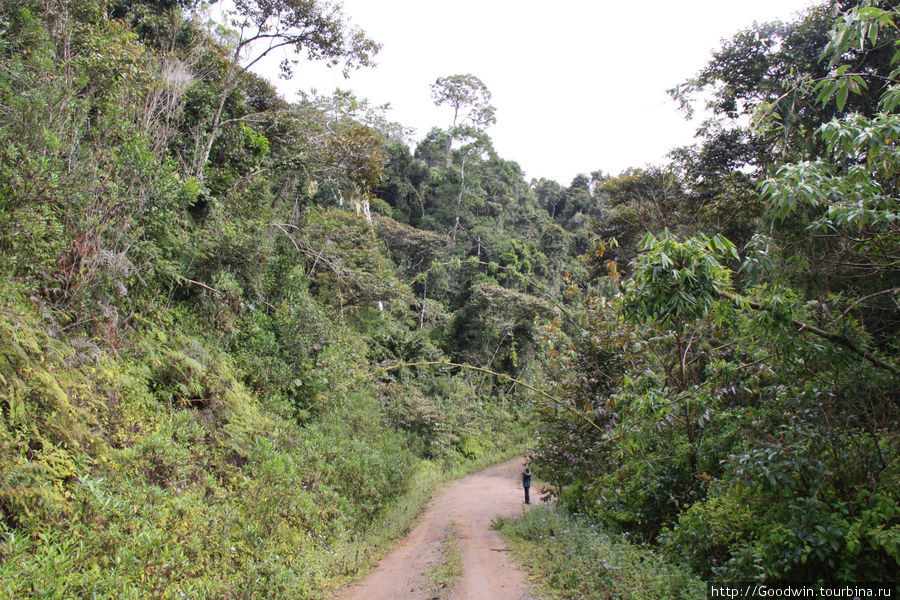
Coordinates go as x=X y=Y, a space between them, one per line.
x=570 y=558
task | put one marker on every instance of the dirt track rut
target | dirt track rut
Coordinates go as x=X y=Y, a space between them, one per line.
x=471 y=503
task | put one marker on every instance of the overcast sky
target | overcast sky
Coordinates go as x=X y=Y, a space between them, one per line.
x=578 y=85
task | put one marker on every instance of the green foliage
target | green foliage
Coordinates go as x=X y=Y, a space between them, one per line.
x=747 y=421
x=825 y=533
x=574 y=559
x=181 y=472
x=775 y=74
x=189 y=325
x=467 y=96
x=345 y=260
x=216 y=380
x=678 y=280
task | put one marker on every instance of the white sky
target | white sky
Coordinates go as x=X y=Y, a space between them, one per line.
x=578 y=85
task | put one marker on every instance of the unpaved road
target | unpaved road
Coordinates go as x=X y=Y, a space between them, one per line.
x=471 y=503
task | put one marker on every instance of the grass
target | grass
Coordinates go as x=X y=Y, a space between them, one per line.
x=444 y=573
x=569 y=558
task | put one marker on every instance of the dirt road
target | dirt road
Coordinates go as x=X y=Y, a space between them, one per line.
x=470 y=504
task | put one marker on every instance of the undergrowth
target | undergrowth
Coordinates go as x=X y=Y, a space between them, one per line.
x=569 y=558
x=157 y=472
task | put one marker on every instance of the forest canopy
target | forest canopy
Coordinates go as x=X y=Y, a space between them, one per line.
x=242 y=338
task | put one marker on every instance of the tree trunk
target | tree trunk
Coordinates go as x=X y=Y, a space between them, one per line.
x=367 y=213
x=450 y=134
x=462 y=189
x=422 y=309
x=462 y=182
x=214 y=131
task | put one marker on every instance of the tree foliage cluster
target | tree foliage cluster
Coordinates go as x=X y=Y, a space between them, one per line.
x=740 y=363
x=209 y=295
x=485 y=250
x=239 y=336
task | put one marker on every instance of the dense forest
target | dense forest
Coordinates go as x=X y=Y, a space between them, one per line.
x=243 y=339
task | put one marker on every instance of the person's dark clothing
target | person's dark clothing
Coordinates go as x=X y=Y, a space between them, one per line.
x=526 y=483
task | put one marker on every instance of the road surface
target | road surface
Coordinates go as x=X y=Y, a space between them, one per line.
x=470 y=503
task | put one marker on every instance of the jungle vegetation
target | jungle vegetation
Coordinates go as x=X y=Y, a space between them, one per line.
x=242 y=339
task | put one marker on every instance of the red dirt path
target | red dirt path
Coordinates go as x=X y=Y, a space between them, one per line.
x=471 y=503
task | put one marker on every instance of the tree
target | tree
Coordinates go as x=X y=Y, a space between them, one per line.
x=769 y=72
x=470 y=100
x=311 y=27
x=476 y=145
x=749 y=397
x=550 y=194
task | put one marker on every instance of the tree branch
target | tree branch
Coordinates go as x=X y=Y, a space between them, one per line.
x=836 y=338
x=444 y=363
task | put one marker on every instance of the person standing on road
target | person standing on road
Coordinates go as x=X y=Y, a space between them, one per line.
x=526 y=483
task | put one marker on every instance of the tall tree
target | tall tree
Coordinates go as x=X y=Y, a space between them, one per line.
x=470 y=100
x=311 y=27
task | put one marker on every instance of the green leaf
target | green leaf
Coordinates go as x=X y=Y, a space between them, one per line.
x=870 y=13
x=842 y=94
